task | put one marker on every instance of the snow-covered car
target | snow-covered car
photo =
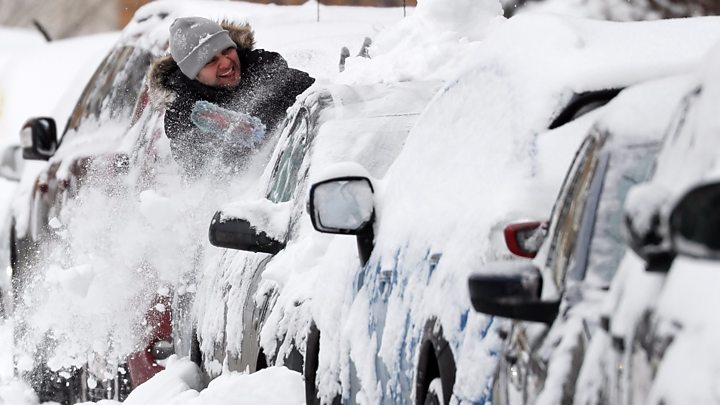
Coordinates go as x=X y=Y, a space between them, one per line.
x=331 y=123
x=92 y=316
x=659 y=322
x=556 y=298
x=399 y=328
x=104 y=112
x=74 y=62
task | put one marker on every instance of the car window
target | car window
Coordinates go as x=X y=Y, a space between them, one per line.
x=113 y=90
x=583 y=103
x=627 y=167
x=569 y=208
x=284 y=177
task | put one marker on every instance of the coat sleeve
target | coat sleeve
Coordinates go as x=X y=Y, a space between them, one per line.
x=188 y=146
x=287 y=83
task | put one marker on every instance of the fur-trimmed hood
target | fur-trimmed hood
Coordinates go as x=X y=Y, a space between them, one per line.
x=165 y=73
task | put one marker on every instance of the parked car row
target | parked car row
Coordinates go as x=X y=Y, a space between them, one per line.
x=656 y=321
x=424 y=175
x=387 y=319
x=638 y=191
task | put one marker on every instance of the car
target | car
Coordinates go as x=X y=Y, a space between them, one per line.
x=555 y=299
x=329 y=123
x=75 y=60
x=657 y=321
x=397 y=327
x=107 y=104
x=112 y=149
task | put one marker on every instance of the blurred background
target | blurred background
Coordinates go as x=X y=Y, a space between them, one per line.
x=69 y=18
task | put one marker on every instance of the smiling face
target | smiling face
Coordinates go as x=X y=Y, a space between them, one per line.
x=223 y=70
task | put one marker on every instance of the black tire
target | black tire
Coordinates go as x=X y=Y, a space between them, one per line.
x=436 y=361
x=117 y=388
x=195 y=352
x=312 y=357
x=262 y=361
x=68 y=387
x=50 y=386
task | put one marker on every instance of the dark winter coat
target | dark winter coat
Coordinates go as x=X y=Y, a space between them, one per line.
x=268 y=87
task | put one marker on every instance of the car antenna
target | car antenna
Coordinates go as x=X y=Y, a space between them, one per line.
x=42 y=30
x=318 y=10
x=404 y=12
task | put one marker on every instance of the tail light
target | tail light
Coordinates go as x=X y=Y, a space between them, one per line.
x=525 y=238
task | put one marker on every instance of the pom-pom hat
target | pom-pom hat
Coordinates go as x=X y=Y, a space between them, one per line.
x=194 y=41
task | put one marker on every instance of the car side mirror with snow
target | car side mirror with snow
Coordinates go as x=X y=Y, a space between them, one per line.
x=511 y=290
x=345 y=205
x=240 y=234
x=695 y=223
x=646 y=229
x=38 y=138
x=11 y=163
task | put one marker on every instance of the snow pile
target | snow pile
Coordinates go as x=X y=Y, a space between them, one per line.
x=180 y=382
x=17 y=392
x=426 y=45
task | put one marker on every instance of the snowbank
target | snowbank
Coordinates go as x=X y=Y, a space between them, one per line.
x=181 y=384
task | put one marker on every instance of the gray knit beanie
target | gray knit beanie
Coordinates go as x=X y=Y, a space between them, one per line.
x=194 y=41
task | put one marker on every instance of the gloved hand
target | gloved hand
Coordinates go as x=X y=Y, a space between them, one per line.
x=235 y=128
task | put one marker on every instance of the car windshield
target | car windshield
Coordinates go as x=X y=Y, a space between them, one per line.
x=627 y=166
x=113 y=90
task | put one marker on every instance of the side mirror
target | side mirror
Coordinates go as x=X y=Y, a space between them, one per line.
x=240 y=234
x=38 y=138
x=345 y=205
x=645 y=229
x=511 y=290
x=524 y=239
x=11 y=163
x=695 y=223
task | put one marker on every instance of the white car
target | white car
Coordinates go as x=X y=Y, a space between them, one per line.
x=556 y=299
x=398 y=327
x=74 y=283
x=29 y=88
x=659 y=318
x=332 y=123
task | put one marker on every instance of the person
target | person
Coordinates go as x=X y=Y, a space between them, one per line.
x=222 y=97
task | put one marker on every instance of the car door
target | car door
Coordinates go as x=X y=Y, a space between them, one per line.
x=585 y=250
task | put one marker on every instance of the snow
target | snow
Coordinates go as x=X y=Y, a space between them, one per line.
x=670 y=313
x=481 y=149
x=264 y=215
x=180 y=382
x=74 y=60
